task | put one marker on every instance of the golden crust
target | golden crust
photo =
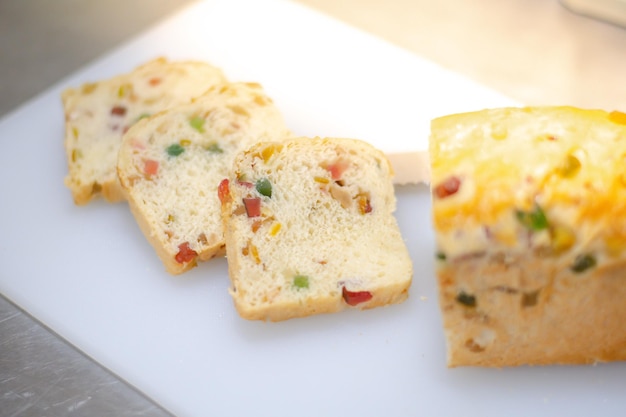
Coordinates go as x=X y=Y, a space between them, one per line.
x=532 y=311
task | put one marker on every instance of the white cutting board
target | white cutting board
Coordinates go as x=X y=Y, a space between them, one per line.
x=89 y=274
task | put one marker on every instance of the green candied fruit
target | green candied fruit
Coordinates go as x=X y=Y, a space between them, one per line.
x=533 y=220
x=175 y=149
x=467 y=300
x=264 y=187
x=301 y=281
x=440 y=256
x=583 y=263
x=197 y=123
x=214 y=148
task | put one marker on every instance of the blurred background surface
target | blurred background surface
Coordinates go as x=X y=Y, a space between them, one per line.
x=535 y=51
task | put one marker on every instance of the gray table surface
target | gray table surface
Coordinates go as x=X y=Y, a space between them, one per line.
x=41 y=42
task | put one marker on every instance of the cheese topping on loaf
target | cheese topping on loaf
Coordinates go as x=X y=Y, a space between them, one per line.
x=98 y=114
x=171 y=163
x=550 y=178
x=310 y=229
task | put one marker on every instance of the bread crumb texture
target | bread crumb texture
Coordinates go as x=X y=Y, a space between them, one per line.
x=171 y=163
x=98 y=114
x=310 y=229
x=529 y=209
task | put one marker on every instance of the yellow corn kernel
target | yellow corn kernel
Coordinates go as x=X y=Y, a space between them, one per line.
x=569 y=167
x=185 y=142
x=255 y=253
x=275 y=229
x=563 y=238
x=268 y=151
x=260 y=100
x=252 y=250
x=124 y=90
x=239 y=110
x=364 y=204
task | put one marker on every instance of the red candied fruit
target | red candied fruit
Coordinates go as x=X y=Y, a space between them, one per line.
x=355 y=297
x=223 y=191
x=253 y=206
x=185 y=253
x=151 y=167
x=448 y=187
x=118 y=111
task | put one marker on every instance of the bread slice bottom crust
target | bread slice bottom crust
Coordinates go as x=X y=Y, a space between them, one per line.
x=531 y=310
x=160 y=247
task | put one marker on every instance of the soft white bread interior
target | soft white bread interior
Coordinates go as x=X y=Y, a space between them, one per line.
x=171 y=163
x=98 y=114
x=529 y=210
x=310 y=229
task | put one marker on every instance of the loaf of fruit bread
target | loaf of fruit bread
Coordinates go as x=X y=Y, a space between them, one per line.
x=310 y=229
x=529 y=211
x=98 y=114
x=170 y=165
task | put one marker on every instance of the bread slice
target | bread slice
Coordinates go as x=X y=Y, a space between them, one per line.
x=310 y=229
x=529 y=209
x=97 y=115
x=171 y=163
